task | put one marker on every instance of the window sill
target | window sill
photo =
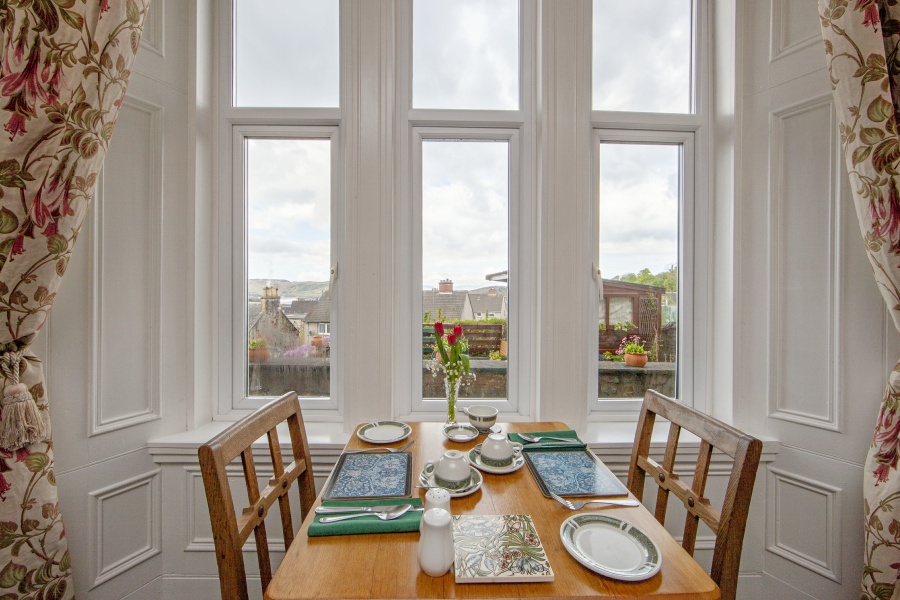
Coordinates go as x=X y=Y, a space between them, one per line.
x=611 y=441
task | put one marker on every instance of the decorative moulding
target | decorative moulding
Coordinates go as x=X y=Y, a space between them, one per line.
x=778 y=364
x=145 y=486
x=778 y=541
x=781 y=45
x=99 y=423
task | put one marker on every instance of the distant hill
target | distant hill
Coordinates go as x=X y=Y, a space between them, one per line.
x=287 y=289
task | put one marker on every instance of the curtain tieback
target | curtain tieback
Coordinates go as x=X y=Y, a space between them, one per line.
x=20 y=420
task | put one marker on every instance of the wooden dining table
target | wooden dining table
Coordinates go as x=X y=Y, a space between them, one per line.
x=385 y=565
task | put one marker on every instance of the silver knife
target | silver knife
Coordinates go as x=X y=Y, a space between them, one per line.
x=331 y=510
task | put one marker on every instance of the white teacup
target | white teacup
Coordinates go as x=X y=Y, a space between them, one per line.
x=451 y=471
x=497 y=451
x=482 y=417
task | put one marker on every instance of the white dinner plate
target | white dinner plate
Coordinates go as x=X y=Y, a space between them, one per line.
x=610 y=546
x=474 y=485
x=384 y=432
x=474 y=456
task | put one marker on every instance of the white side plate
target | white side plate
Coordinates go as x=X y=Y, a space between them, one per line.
x=611 y=547
x=383 y=432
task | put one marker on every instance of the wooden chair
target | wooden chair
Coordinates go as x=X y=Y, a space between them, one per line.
x=231 y=531
x=729 y=523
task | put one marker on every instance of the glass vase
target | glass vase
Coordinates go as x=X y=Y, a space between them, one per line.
x=452 y=391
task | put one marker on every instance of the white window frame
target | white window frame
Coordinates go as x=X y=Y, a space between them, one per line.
x=324 y=328
x=233 y=126
x=691 y=263
x=692 y=132
x=516 y=127
x=234 y=275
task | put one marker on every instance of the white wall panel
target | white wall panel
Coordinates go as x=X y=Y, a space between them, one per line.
x=152 y=36
x=803 y=299
x=127 y=520
x=804 y=527
x=126 y=248
x=795 y=26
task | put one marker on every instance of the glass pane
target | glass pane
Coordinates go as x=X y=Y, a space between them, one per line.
x=288 y=266
x=465 y=259
x=466 y=54
x=286 y=53
x=642 y=56
x=640 y=192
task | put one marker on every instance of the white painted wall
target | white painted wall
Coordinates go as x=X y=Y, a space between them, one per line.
x=117 y=355
x=802 y=340
x=813 y=345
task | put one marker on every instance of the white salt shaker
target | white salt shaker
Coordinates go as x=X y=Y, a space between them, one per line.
x=436 y=542
x=436 y=498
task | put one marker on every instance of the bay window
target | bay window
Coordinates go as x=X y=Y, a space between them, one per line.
x=455 y=91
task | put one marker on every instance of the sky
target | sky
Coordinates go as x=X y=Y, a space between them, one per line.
x=465 y=55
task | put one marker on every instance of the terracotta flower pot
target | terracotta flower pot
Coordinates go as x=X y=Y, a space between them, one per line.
x=635 y=360
x=257 y=355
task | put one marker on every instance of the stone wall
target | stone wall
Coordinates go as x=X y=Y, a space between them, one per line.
x=311 y=376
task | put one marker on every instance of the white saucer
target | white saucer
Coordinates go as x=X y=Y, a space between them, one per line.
x=495 y=428
x=474 y=456
x=460 y=432
x=477 y=480
x=384 y=432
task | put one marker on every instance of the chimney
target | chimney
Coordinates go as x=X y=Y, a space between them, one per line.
x=445 y=286
x=271 y=301
x=492 y=292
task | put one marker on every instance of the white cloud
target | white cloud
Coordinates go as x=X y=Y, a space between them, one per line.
x=287 y=52
x=465 y=54
x=641 y=59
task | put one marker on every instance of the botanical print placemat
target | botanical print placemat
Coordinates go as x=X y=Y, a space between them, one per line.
x=498 y=548
x=573 y=473
x=373 y=475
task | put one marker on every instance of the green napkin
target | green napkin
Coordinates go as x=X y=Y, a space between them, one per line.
x=408 y=522
x=576 y=444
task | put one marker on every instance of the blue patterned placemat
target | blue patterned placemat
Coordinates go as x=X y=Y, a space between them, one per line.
x=573 y=473
x=375 y=475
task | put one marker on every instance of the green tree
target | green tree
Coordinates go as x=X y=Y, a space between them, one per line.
x=667 y=279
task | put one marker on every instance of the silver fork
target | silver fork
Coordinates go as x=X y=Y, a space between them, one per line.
x=538 y=438
x=400 y=449
x=579 y=504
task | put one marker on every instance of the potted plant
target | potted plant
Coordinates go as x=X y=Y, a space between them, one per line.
x=632 y=349
x=258 y=350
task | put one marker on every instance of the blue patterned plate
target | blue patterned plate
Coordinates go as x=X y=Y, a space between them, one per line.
x=573 y=472
x=610 y=546
x=360 y=476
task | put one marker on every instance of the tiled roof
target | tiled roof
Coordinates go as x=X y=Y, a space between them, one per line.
x=321 y=312
x=450 y=303
x=482 y=303
x=300 y=308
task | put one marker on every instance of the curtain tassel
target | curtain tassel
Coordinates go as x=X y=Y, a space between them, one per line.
x=21 y=422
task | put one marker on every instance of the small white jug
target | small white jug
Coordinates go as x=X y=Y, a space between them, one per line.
x=436 y=542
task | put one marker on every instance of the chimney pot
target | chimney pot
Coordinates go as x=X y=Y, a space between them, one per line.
x=445 y=286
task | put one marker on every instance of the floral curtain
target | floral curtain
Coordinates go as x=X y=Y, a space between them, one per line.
x=861 y=49
x=64 y=67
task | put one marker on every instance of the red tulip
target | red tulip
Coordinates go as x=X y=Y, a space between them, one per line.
x=451 y=339
x=439 y=328
x=457 y=330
